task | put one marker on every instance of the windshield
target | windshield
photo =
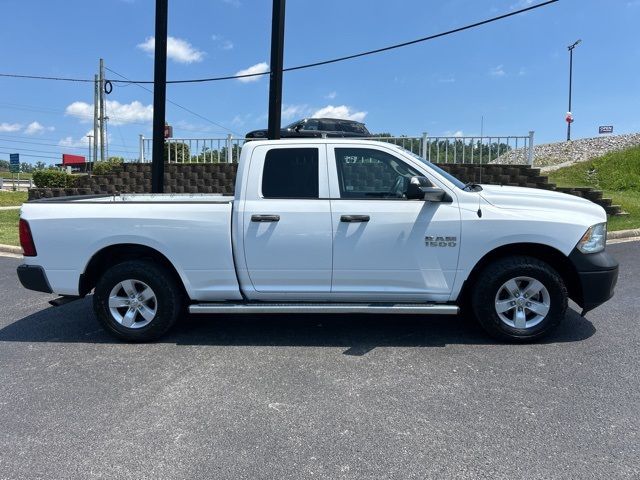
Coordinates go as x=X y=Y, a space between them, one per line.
x=436 y=168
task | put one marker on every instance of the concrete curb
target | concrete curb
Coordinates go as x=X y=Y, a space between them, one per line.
x=623 y=234
x=10 y=249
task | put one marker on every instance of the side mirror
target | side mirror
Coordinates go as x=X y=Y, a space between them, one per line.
x=420 y=188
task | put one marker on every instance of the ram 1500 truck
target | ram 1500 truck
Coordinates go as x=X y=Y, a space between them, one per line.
x=324 y=226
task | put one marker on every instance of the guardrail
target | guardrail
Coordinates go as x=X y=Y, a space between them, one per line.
x=437 y=149
x=21 y=185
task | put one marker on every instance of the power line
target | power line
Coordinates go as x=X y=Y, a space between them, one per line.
x=23 y=149
x=308 y=65
x=49 y=111
x=31 y=155
x=7 y=139
x=176 y=104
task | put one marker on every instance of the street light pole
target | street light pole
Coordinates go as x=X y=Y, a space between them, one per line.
x=571 y=47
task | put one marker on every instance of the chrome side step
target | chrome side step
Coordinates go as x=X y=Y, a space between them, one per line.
x=384 y=308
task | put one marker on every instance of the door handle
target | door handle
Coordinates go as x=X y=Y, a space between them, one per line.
x=354 y=218
x=265 y=218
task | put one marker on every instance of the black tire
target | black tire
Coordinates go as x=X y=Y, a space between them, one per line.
x=167 y=301
x=489 y=283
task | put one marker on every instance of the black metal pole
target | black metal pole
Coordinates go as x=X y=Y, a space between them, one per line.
x=570 y=82
x=275 y=77
x=159 y=96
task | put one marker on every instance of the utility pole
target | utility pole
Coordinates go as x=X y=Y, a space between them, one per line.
x=95 y=117
x=89 y=165
x=275 y=77
x=101 y=110
x=569 y=119
x=159 y=96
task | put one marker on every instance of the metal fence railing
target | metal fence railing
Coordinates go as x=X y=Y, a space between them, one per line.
x=511 y=149
x=195 y=150
x=468 y=149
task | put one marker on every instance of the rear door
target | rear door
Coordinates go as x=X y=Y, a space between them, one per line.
x=287 y=220
x=386 y=247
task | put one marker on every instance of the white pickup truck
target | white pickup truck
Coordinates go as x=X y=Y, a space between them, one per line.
x=324 y=226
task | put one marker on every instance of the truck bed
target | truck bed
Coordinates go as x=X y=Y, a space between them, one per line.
x=193 y=232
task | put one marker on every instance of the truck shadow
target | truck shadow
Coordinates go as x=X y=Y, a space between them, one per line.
x=358 y=334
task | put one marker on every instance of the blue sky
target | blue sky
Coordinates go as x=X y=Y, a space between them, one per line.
x=514 y=72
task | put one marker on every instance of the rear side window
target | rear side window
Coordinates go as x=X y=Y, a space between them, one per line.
x=290 y=173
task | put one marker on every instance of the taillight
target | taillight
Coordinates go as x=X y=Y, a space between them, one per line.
x=26 y=239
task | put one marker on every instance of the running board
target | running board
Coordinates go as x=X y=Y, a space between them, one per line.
x=384 y=308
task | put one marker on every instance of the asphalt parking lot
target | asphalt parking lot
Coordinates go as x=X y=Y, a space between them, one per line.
x=318 y=397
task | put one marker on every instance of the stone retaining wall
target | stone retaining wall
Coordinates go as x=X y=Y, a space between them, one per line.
x=220 y=178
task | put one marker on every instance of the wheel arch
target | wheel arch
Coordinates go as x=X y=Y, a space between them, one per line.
x=118 y=253
x=553 y=257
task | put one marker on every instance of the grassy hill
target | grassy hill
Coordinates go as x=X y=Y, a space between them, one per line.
x=617 y=174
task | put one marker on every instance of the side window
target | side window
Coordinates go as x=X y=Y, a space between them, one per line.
x=290 y=173
x=367 y=173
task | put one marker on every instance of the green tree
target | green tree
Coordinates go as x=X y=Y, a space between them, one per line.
x=176 y=152
x=26 y=167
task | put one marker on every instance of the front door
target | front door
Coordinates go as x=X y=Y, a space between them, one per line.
x=286 y=224
x=386 y=247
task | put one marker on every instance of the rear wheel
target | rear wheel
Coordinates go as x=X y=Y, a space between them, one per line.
x=519 y=299
x=137 y=301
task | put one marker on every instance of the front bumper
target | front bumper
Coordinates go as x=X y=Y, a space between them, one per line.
x=598 y=275
x=34 y=278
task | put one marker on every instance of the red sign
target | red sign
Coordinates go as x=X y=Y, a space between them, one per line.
x=168 y=131
x=68 y=159
x=569 y=117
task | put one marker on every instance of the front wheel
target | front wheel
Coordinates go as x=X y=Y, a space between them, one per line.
x=137 y=301
x=519 y=299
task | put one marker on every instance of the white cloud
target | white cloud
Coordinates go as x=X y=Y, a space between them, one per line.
x=521 y=4
x=118 y=113
x=331 y=95
x=340 y=111
x=178 y=50
x=34 y=128
x=10 y=127
x=82 y=142
x=457 y=133
x=447 y=79
x=289 y=112
x=71 y=142
x=222 y=43
x=522 y=72
x=497 y=71
x=257 y=68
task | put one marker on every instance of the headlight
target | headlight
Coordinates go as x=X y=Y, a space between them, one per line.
x=594 y=240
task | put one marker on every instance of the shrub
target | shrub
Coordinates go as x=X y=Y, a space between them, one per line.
x=53 y=179
x=107 y=166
